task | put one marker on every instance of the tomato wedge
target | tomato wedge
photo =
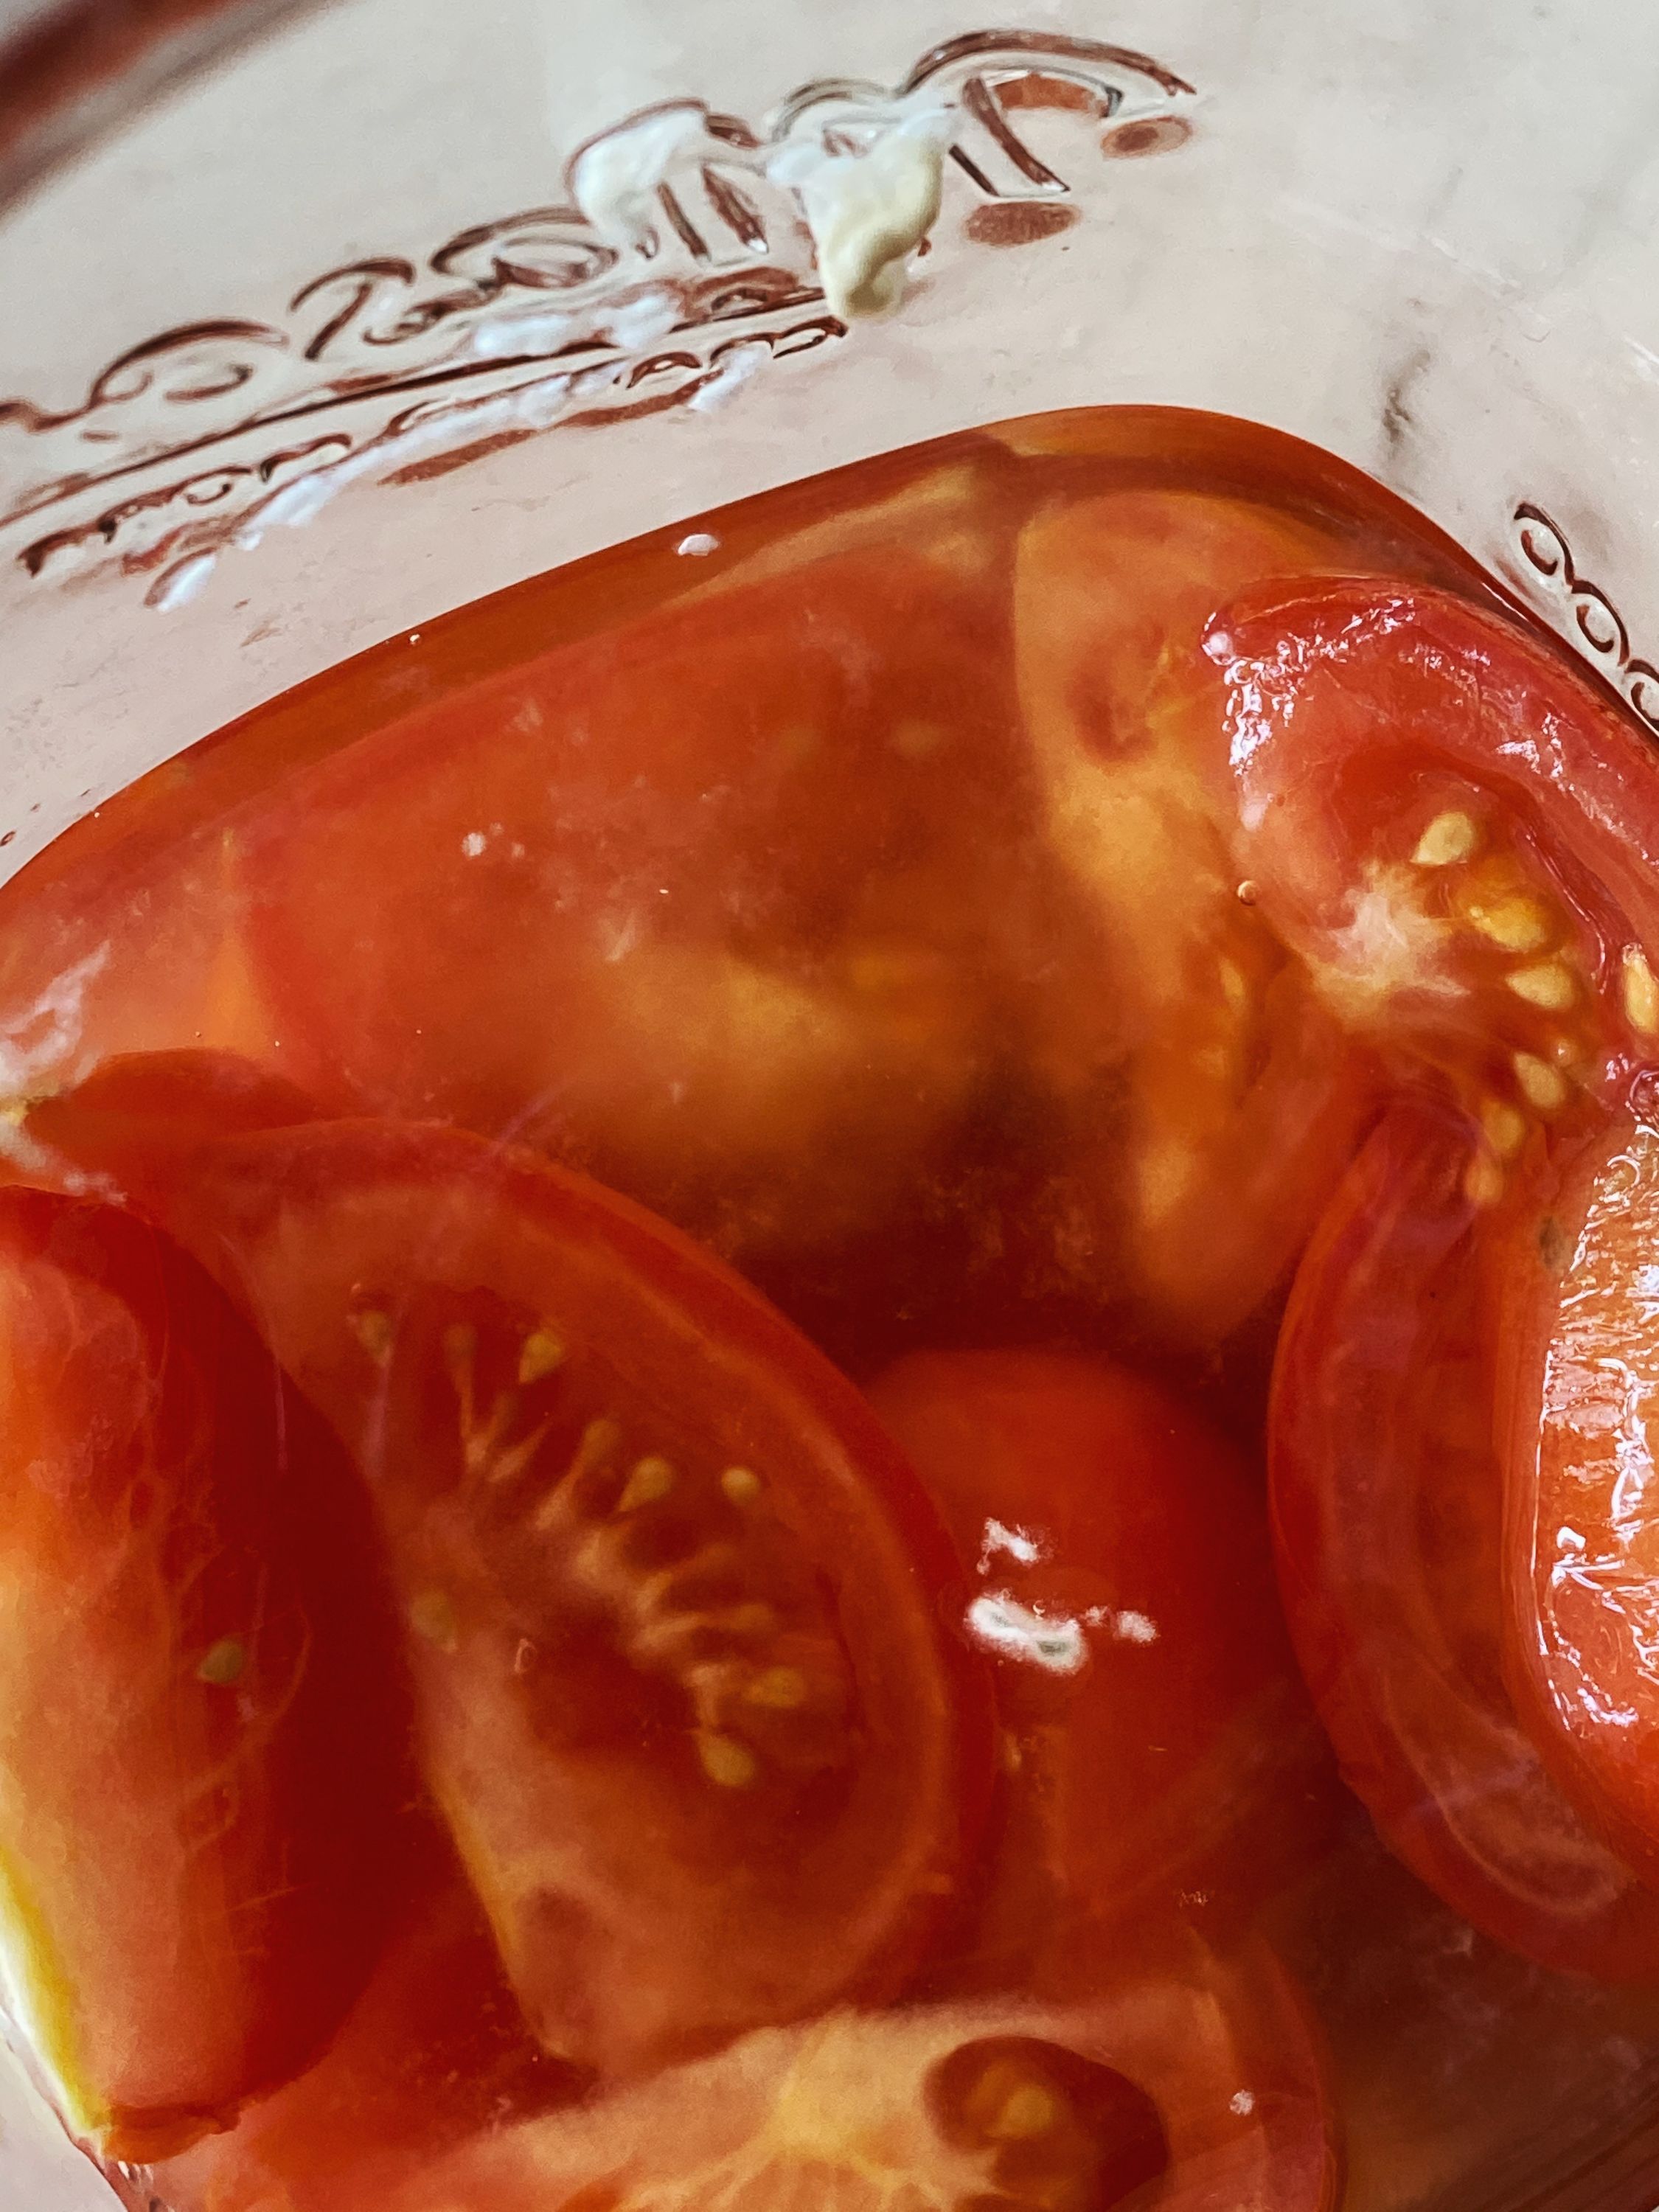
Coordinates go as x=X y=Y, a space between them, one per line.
x=1580 y=1423
x=1162 y=1760
x=1459 y=837
x=676 y=1608
x=1206 y=1089
x=1388 y=1495
x=697 y=903
x=1197 y=2088
x=193 y=1656
x=435 y=2051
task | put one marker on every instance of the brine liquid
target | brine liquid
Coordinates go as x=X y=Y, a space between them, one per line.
x=844 y=877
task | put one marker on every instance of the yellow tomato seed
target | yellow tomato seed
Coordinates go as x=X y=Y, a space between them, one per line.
x=374 y=1331
x=1543 y=1085
x=223 y=1665
x=1029 y=2110
x=741 y=1484
x=540 y=1353
x=652 y=1478
x=1549 y=984
x=432 y=1615
x=1641 y=992
x=726 y=1761
x=1483 y=1180
x=1514 y=924
x=1235 y=986
x=1505 y=1128
x=1451 y=837
x=779 y=1688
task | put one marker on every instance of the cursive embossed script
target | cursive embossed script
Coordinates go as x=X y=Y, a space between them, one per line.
x=679 y=262
x=1588 y=616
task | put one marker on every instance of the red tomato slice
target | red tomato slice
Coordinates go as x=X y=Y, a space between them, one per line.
x=1196 y=2088
x=1580 y=1423
x=1459 y=837
x=1207 y=1091
x=1160 y=1754
x=1387 y=1508
x=193 y=1654
x=675 y=1607
x=698 y=903
x=435 y=2051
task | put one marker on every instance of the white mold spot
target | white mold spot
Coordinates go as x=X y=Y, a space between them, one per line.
x=1018 y=1543
x=1054 y=1642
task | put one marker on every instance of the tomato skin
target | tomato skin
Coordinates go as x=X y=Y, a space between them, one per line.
x=192 y=1649
x=1388 y=1496
x=1578 y=1423
x=139 y=1119
x=1207 y=1086
x=644 y=1910
x=1164 y=1763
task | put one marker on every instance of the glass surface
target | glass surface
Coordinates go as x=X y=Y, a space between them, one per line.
x=263 y=424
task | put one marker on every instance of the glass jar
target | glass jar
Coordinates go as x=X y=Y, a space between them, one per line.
x=324 y=320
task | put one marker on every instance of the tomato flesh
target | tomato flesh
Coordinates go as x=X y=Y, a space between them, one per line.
x=674 y=1606
x=1458 y=837
x=434 y=2052
x=1240 y=1092
x=1160 y=1760
x=1388 y=1496
x=1579 y=1420
x=1197 y=2088
x=588 y=905
x=193 y=1645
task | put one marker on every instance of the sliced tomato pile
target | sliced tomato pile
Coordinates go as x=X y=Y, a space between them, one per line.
x=1033 y=931
x=194 y=1647
x=674 y=1613
x=674 y=1605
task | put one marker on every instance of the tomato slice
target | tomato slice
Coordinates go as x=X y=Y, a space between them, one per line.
x=1459 y=837
x=697 y=903
x=1207 y=1090
x=192 y=1650
x=1160 y=1756
x=1197 y=2088
x=435 y=2051
x=676 y=1608
x=1388 y=1500
x=1580 y=1421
